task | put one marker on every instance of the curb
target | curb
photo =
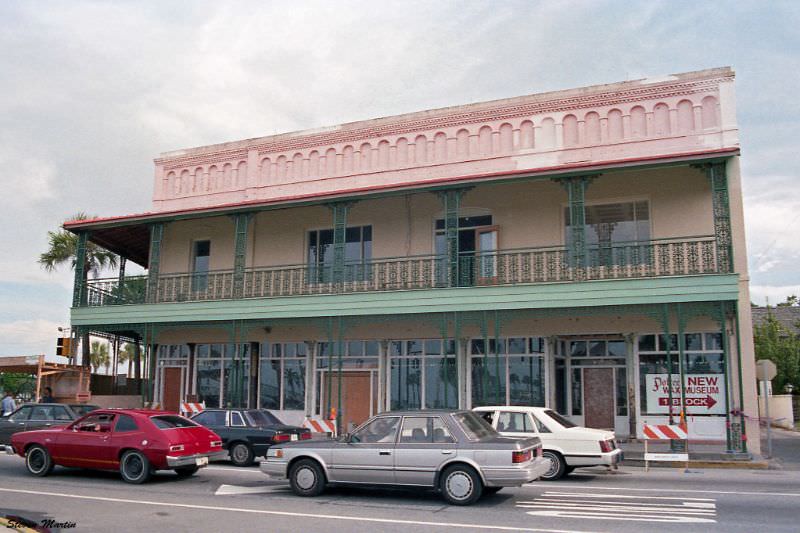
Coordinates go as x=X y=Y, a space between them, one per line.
x=742 y=465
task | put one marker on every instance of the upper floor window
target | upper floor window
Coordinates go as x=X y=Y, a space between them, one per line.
x=608 y=224
x=357 y=254
x=201 y=259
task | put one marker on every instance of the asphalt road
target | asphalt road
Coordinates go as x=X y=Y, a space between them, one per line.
x=223 y=498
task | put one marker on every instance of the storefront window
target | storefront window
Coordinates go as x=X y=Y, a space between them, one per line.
x=577 y=392
x=423 y=374
x=509 y=372
x=703 y=356
x=283 y=376
x=236 y=375
x=209 y=374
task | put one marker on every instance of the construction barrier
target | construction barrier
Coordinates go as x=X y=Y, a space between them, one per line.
x=666 y=432
x=192 y=408
x=320 y=425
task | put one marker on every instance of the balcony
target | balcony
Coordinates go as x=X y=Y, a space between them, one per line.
x=633 y=260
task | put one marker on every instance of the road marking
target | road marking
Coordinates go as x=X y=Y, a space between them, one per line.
x=622 y=507
x=231 y=469
x=228 y=490
x=681 y=491
x=491 y=527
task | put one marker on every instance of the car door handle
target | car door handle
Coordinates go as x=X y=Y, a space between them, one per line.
x=447 y=452
x=384 y=452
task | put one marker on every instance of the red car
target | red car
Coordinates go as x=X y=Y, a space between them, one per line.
x=134 y=441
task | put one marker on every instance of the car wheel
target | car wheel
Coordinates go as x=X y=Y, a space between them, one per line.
x=187 y=471
x=38 y=461
x=461 y=485
x=134 y=467
x=241 y=454
x=307 y=478
x=557 y=465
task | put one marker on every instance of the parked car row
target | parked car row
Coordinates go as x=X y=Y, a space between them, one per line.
x=461 y=454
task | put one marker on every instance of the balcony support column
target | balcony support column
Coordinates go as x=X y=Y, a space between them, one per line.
x=241 y=223
x=79 y=289
x=720 y=200
x=451 y=204
x=154 y=261
x=339 y=210
x=576 y=194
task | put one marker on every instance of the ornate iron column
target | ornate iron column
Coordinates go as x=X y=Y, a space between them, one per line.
x=79 y=289
x=576 y=195
x=121 y=281
x=241 y=223
x=339 y=210
x=451 y=204
x=720 y=200
x=154 y=260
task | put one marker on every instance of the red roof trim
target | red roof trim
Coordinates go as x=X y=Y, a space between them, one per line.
x=397 y=186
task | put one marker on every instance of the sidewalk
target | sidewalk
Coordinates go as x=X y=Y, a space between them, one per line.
x=701 y=455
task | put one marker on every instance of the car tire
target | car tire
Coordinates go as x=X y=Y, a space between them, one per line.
x=38 y=461
x=187 y=471
x=307 y=478
x=568 y=470
x=488 y=491
x=460 y=485
x=134 y=467
x=241 y=454
x=557 y=466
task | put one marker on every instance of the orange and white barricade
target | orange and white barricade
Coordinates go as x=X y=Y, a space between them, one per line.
x=320 y=425
x=665 y=432
x=191 y=408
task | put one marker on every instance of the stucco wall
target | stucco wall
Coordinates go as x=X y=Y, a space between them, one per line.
x=528 y=214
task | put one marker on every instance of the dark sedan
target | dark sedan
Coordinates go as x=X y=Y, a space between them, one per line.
x=248 y=433
x=40 y=416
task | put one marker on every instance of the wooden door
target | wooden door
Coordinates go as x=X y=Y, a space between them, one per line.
x=356 y=397
x=171 y=397
x=598 y=397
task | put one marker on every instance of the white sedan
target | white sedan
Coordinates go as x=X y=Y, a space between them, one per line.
x=566 y=445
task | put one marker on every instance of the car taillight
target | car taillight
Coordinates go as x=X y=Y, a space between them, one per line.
x=281 y=437
x=176 y=448
x=521 y=457
x=606 y=446
x=305 y=436
x=216 y=444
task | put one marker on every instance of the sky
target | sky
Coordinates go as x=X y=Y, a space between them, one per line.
x=91 y=92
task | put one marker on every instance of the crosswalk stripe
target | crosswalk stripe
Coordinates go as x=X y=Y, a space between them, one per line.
x=660 y=509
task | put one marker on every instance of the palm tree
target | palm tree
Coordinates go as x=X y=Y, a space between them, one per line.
x=62 y=248
x=99 y=355
x=127 y=354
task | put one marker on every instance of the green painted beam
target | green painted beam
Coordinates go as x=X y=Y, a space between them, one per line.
x=720 y=287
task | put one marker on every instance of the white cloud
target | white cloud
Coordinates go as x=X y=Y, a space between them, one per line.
x=763 y=294
x=29 y=337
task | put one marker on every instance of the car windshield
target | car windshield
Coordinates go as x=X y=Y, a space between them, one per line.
x=560 y=419
x=261 y=418
x=474 y=426
x=172 y=421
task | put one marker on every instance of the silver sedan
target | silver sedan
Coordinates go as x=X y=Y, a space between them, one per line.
x=454 y=452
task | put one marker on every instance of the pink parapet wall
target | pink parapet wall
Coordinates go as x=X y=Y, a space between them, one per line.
x=674 y=115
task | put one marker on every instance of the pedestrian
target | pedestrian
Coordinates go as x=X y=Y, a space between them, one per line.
x=7 y=406
x=48 y=396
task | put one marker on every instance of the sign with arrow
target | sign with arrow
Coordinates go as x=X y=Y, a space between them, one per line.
x=705 y=394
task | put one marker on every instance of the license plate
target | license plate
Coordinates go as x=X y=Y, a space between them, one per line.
x=294 y=437
x=202 y=461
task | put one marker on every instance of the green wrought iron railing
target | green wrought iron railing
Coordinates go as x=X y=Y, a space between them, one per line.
x=664 y=257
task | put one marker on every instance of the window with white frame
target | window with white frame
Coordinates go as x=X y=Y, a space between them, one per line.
x=223 y=374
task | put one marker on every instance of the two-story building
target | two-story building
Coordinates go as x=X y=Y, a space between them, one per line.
x=580 y=249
